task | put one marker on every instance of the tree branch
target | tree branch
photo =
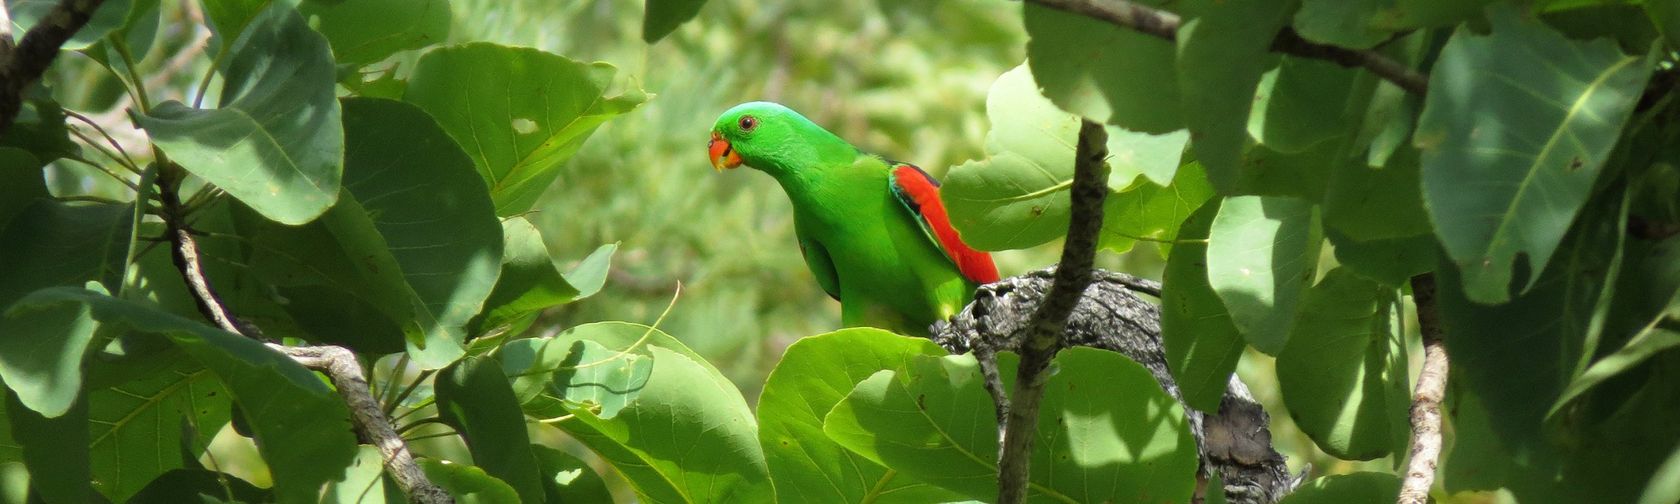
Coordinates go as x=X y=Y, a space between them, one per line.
x=1044 y=333
x=1164 y=25
x=1426 y=401
x=23 y=64
x=339 y=364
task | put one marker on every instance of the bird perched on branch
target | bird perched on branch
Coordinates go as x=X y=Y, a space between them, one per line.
x=873 y=231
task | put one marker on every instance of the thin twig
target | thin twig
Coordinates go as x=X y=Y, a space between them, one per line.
x=23 y=64
x=1073 y=275
x=339 y=364
x=1164 y=25
x=1426 y=401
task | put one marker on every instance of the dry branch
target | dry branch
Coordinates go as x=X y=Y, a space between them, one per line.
x=1426 y=401
x=339 y=364
x=1049 y=322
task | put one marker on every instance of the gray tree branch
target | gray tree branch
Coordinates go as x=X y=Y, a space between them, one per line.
x=1049 y=321
x=339 y=364
x=1164 y=25
x=1426 y=400
x=22 y=64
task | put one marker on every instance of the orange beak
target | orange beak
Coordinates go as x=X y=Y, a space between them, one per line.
x=722 y=154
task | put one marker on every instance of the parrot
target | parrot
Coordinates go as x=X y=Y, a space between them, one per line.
x=873 y=231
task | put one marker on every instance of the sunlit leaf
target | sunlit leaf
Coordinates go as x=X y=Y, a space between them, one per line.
x=814 y=375
x=474 y=397
x=549 y=373
x=1201 y=344
x=109 y=16
x=364 y=32
x=1262 y=254
x=468 y=484
x=1091 y=68
x=520 y=113
x=1343 y=372
x=1221 y=57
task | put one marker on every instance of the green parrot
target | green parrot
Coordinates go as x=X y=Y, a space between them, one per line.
x=873 y=231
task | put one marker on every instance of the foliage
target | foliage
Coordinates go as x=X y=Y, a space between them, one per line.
x=401 y=178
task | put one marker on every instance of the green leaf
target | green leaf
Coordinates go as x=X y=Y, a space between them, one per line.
x=664 y=16
x=518 y=132
x=934 y=422
x=1388 y=262
x=1297 y=104
x=468 y=484
x=52 y=244
x=548 y=374
x=814 y=375
x=199 y=485
x=135 y=423
x=568 y=478
x=1091 y=68
x=365 y=32
x=1665 y=485
x=1512 y=140
x=275 y=142
x=1151 y=211
x=1017 y=198
x=1202 y=345
x=1221 y=57
x=1377 y=203
x=1262 y=254
x=227 y=19
x=39 y=128
x=590 y=274
x=688 y=437
x=474 y=397
x=1354 y=24
x=1352 y=487
x=1665 y=14
x=302 y=428
x=528 y=284
x=109 y=16
x=1343 y=372
x=41 y=355
x=54 y=449
x=434 y=217
x=21 y=182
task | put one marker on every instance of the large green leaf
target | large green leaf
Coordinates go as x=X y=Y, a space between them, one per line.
x=1095 y=69
x=54 y=449
x=302 y=428
x=228 y=18
x=1202 y=345
x=1017 y=198
x=520 y=113
x=364 y=32
x=1513 y=137
x=1262 y=254
x=21 y=182
x=474 y=397
x=688 y=437
x=136 y=425
x=1355 y=24
x=1343 y=372
x=1368 y=203
x=41 y=354
x=275 y=143
x=933 y=421
x=1221 y=57
x=664 y=16
x=1388 y=262
x=530 y=283
x=814 y=375
x=1352 y=487
x=1153 y=212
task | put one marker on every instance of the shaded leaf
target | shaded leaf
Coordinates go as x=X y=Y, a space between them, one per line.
x=1352 y=487
x=1262 y=254
x=528 y=283
x=569 y=479
x=474 y=397
x=54 y=449
x=1201 y=343
x=25 y=14
x=134 y=423
x=21 y=182
x=1512 y=140
x=812 y=377
x=1343 y=372
x=468 y=484
x=1295 y=103
x=1377 y=203
x=39 y=128
x=198 y=485
x=1221 y=57
x=275 y=142
x=1388 y=262
x=1090 y=68
x=1354 y=24
x=520 y=113
x=41 y=354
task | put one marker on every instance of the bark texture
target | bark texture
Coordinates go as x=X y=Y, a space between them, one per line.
x=1234 y=441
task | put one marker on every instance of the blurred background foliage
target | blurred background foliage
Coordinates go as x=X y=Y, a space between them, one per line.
x=904 y=78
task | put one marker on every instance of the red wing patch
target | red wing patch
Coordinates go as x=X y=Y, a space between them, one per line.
x=920 y=193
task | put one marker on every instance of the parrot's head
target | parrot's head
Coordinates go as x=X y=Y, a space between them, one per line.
x=768 y=137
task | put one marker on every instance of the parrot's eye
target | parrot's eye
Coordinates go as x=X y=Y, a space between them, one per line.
x=748 y=123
